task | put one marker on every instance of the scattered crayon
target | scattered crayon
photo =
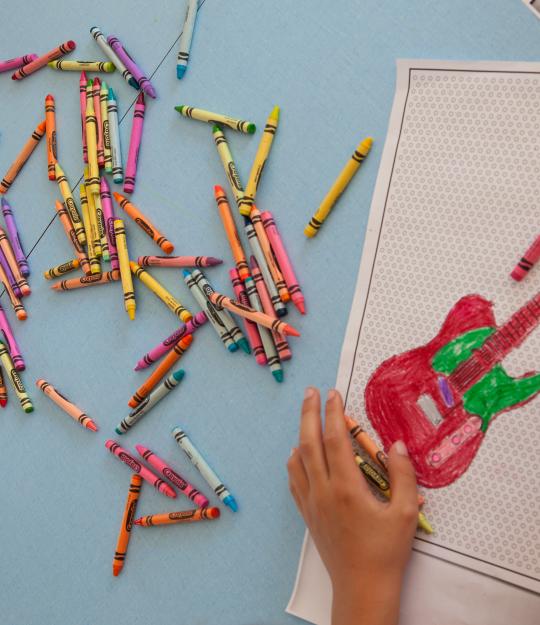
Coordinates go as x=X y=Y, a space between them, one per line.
x=3 y=390
x=91 y=141
x=259 y=162
x=204 y=468
x=283 y=261
x=5 y=66
x=231 y=232
x=106 y=48
x=228 y=163
x=160 y=350
x=108 y=219
x=139 y=468
x=129 y=62
x=114 y=132
x=70 y=233
x=251 y=328
x=10 y=342
x=100 y=224
x=23 y=156
x=186 y=37
x=16 y=303
x=7 y=250
x=144 y=223
x=178 y=261
x=96 y=88
x=33 y=66
x=14 y=238
x=174 y=478
x=50 y=132
x=185 y=516
x=531 y=256
x=87 y=66
x=9 y=274
x=94 y=227
x=83 y=82
x=67 y=406
x=216 y=118
x=90 y=230
x=85 y=281
x=161 y=370
x=15 y=379
x=127 y=524
x=59 y=270
x=134 y=145
x=338 y=187
x=103 y=99
x=69 y=203
x=125 y=272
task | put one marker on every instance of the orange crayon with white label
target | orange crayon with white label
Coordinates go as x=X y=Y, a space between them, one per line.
x=50 y=131
x=24 y=155
x=68 y=407
x=231 y=232
x=174 y=518
x=127 y=524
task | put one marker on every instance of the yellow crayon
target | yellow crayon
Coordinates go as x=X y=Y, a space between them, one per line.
x=59 y=270
x=92 y=214
x=103 y=97
x=125 y=271
x=91 y=142
x=100 y=224
x=338 y=187
x=79 y=66
x=259 y=163
x=69 y=203
x=95 y=266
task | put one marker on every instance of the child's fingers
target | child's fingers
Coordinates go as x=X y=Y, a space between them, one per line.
x=403 y=480
x=311 y=447
x=297 y=474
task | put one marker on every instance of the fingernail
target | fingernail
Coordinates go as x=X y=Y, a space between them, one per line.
x=332 y=394
x=292 y=451
x=401 y=448
x=309 y=392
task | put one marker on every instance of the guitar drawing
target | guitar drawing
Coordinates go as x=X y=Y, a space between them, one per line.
x=441 y=398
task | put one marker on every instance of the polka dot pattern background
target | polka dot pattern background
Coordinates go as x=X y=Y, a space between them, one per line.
x=463 y=205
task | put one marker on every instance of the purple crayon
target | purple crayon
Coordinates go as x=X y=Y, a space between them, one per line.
x=167 y=344
x=7 y=268
x=165 y=470
x=109 y=217
x=5 y=66
x=14 y=238
x=134 y=145
x=129 y=62
x=10 y=342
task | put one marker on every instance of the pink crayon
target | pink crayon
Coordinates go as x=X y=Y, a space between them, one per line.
x=178 y=261
x=167 y=344
x=41 y=61
x=282 y=346
x=13 y=234
x=165 y=470
x=83 y=81
x=129 y=62
x=531 y=256
x=109 y=217
x=283 y=261
x=134 y=144
x=96 y=87
x=139 y=468
x=10 y=342
x=5 y=66
x=251 y=328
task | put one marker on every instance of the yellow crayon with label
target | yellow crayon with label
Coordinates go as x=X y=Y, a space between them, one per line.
x=125 y=271
x=95 y=266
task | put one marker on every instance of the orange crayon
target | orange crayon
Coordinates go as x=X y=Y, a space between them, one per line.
x=15 y=301
x=70 y=233
x=3 y=390
x=33 y=66
x=68 y=407
x=50 y=129
x=153 y=380
x=231 y=232
x=20 y=280
x=127 y=524
x=144 y=223
x=85 y=281
x=184 y=516
x=24 y=155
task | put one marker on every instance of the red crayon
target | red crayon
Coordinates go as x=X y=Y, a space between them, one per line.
x=250 y=327
x=96 y=87
x=3 y=390
x=531 y=256
x=41 y=61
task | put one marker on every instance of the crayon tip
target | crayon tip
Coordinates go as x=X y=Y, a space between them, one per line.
x=424 y=524
x=179 y=108
x=137 y=522
x=216 y=128
x=137 y=367
x=140 y=99
x=251 y=128
x=3 y=403
x=49 y=96
x=132 y=82
x=231 y=502
x=118 y=431
x=83 y=76
x=367 y=143
x=178 y=375
x=291 y=331
x=90 y=82
x=92 y=426
x=131 y=314
x=141 y=449
x=111 y=95
x=116 y=569
x=233 y=347
x=218 y=190
x=278 y=375
x=132 y=403
x=301 y=307
x=244 y=345
x=186 y=273
x=104 y=85
x=167 y=490
x=180 y=71
x=29 y=409
x=212 y=261
x=97 y=81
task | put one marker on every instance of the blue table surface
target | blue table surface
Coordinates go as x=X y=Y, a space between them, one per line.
x=331 y=68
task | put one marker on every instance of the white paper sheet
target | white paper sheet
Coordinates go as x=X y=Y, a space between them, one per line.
x=454 y=206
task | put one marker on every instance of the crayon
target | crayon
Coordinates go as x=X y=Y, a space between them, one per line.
x=14 y=238
x=94 y=227
x=144 y=223
x=185 y=39
x=338 y=187
x=70 y=233
x=9 y=274
x=282 y=346
x=216 y=118
x=15 y=379
x=160 y=371
x=41 y=61
x=129 y=62
x=234 y=331
x=174 y=478
x=5 y=66
x=69 y=202
x=204 y=468
x=7 y=250
x=15 y=301
x=139 y=468
x=111 y=54
x=266 y=248
x=108 y=218
x=50 y=132
x=250 y=327
x=231 y=232
x=126 y=526
x=211 y=313
x=227 y=161
x=100 y=223
x=162 y=348
x=283 y=261
x=103 y=99
x=90 y=230
x=96 y=88
x=259 y=162
x=23 y=156
x=161 y=292
x=164 y=388
x=87 y=66
x=125 y=272
x=91 y=141
x=134 y=145
x=66 y=405
x=114 y=132
x=85 y=281
x=527 y=261
x=178 y=261
x=59 y=270
x=10 y=342
x=184 y=516
x=3 y=390
x=83 y=82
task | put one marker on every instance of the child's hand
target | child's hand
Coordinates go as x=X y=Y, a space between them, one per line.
x=363 y=542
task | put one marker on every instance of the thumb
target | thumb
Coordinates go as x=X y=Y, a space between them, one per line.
x=402 y=479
